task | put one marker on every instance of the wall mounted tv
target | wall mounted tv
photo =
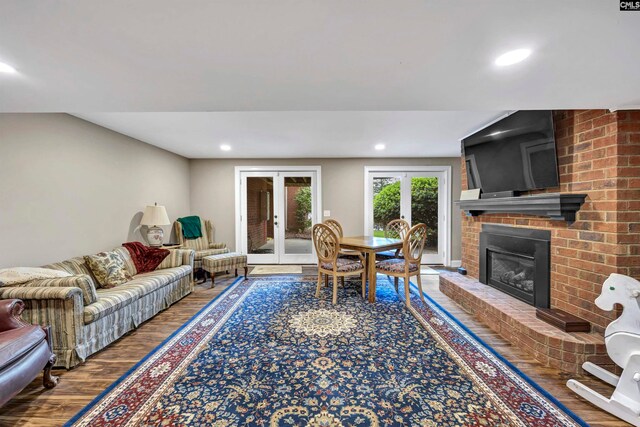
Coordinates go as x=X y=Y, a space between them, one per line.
x=517 y=153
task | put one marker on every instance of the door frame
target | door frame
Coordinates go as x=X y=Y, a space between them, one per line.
x=238 y=195
x=446 y=195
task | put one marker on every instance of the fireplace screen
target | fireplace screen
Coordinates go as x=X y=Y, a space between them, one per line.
x=517 y=262
x=512 y=270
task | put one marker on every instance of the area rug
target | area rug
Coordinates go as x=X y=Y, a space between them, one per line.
x=276 y=269
x=266 y=352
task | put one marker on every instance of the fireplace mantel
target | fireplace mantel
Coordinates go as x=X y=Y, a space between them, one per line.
x=552 y=205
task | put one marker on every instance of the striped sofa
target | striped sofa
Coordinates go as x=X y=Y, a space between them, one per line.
x=85 y=318
x=204 y=246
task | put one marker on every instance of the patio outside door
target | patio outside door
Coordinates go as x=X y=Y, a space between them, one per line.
x=415 y=196
x=278 y=209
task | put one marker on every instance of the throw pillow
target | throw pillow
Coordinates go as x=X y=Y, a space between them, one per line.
x=19 y=275
x=108 y=269
x=144 y=257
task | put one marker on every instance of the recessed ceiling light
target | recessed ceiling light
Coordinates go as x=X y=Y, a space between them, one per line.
x=379 y=147
x=225 y=147
x=6 y=68
x=512 y=57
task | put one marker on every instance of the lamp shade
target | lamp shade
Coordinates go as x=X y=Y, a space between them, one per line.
x=155 y=215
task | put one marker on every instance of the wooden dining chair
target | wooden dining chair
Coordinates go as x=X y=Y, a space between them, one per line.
x=336 y=227
x=327 y=246
x=409 y=265
x=395 y=229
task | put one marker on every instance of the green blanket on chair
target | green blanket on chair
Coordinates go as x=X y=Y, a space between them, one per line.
x=191 y=227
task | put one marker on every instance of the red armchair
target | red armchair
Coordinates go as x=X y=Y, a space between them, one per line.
x=25 y=350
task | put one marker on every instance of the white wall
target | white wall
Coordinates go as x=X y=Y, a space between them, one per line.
x=69 y=187
x=213 y=197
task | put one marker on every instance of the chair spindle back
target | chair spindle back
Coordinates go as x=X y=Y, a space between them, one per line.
x=326 y=243
x=396 y=229
x=335 y=226
x=414 y=243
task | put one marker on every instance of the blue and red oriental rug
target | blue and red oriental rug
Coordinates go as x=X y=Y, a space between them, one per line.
x=266 y=352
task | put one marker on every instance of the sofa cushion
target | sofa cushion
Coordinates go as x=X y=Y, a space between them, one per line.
x=108 y=269
x=109 y=301
x=76 y=266
x=15 y=343
x=128 y=261
x=165 y=275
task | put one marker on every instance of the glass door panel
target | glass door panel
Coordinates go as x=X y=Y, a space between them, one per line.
x=425 y=209
x=386 y=202
x=298 y=215
x=417 y=197
x=260 y=221
x=260 y=218
x=277 y=213
x=298 y=202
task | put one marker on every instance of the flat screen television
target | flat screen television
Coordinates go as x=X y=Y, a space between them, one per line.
x=515 y=154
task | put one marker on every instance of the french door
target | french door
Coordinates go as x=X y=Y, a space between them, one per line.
x=417 y=195
x=277 y=210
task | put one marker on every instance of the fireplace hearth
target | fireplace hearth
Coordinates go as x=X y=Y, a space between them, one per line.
x=516 y=261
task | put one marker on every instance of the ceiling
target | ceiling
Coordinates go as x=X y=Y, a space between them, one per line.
x=300 y=134
x=305 y=78
x=306 y=55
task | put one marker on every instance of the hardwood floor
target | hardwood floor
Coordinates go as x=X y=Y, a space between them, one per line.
x=36 y=406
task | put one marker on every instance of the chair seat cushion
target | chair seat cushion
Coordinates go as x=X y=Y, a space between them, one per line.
x=15 y=343
x=343 y=265
x=395 y=266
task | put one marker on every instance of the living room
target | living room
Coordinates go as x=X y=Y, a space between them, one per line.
x=312 y=213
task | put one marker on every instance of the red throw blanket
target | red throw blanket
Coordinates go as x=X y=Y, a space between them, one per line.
x=145 y=258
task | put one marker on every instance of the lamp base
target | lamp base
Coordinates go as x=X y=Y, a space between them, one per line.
x=155 y=236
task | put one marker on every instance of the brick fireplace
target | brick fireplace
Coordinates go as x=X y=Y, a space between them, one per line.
x=598 y=155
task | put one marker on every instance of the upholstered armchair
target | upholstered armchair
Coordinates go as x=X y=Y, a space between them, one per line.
x=25 y=350
x=203 y=246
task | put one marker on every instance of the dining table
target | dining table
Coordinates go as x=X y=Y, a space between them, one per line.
x=370 y=245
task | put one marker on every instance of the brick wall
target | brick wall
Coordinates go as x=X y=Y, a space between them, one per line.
x=258 y=229
x=598 y=154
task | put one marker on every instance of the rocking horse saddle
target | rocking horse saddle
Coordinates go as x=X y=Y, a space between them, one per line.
x=621 y=346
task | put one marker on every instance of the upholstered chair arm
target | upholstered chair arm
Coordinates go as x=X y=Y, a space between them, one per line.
x=10 y=310
x=82 y=281
x=217 y=245
x=177 y=258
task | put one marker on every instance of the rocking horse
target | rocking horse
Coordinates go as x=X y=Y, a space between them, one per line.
x=622 y=338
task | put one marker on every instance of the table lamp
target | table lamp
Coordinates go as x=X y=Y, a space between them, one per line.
x=153 y=217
